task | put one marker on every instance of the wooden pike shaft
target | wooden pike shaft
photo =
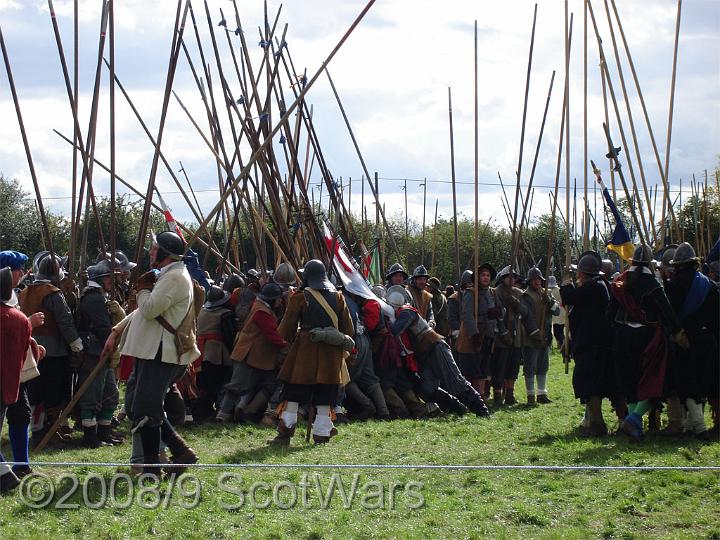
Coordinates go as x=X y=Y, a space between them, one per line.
x=522 y=132
x=476 y=245
x=432 y=258
x=586 y=229
x=568 y=38
x=211 y=246
x=458 y=270
x=76 y=84
x=672 y=105
x=113 y=233
x=26 y=144
x=667 y=203
x=422 y=248
x=603 y=64
x=526 y=207
x=633 y=134
x=179 y=28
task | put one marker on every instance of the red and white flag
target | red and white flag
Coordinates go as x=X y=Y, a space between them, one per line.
x=171 y=223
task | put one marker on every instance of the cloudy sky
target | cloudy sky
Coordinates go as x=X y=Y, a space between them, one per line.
x=393 y=76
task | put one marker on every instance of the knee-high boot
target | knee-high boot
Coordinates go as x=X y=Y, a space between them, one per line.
x=376 y=395
x=395 y=404
x=367 y=409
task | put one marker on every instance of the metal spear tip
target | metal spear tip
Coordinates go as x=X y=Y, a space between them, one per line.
x=223 y=23
x=238 y=31
x=613 y=153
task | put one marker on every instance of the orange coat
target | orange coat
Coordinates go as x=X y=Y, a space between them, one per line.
x=308 y=362
x=252 y=346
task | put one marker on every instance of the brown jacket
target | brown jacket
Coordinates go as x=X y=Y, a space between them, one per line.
x=308 y=362
x=464 y=343
x=252 y=347
x=422 y=300
x=31 y=301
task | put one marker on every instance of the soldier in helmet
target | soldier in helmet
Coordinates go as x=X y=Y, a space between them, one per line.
x=440 y=379
x=98 y=403
x=439 y=307
x=396 y=275
x=256 y=356
x=317 y=323
x=591 y=338
x=640 y=311
x=216 y=331
x=59 y=337
x=478 y=329
x=165 y=300
x=505 y=361
x=422 y=299
x=696 y=300
x=536 y=336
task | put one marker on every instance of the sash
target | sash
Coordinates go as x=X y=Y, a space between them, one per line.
x=699 y=290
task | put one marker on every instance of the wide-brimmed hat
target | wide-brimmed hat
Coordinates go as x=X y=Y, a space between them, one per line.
x=216 y=296
x=489 y=267
x=394 y=269
x=684 y=254
x=270 y=292
x=434 y=283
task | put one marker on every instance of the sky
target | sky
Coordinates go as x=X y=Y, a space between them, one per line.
x=393 y=75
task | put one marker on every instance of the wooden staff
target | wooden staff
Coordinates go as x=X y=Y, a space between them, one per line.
x=432 y=258
x=604 y=66
x=631 y=123
x=422 y=247
x=113 y=228
x=666 y=203
x=522 y=133
x=407 y=232
x=607 y=122
x=672 y=105
x=178 y=30
x=586 y=229
x=38 y=197
x=476 y=244
x=458 y=270
x=535 y=160
x=73 y=197
x=211 y=246
x=568 y=38
x=393 y=245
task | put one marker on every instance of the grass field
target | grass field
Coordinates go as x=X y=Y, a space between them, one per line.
x=456 y=504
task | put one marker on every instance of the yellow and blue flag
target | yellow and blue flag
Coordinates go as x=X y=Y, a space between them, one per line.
x=620 y=241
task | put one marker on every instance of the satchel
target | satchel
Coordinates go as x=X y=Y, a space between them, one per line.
x=30 y=368
x=344 y=373
x=184 y=336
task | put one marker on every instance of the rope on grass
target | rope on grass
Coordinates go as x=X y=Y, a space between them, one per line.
x=381 y=466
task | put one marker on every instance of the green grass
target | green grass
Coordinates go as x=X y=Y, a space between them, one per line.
x=457 y=504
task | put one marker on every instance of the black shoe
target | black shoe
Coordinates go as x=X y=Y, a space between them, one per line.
x=90 y=438
x=21 y=471
x=8 y=482
x=449 y=403
x=106 y=435
x=542 y=398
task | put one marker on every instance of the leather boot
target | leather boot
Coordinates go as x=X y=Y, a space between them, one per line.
x=90 y=437
x=510 y=393
x=475 y=403
x=675 y=414
x=395 y=404
x=367 y=409
x=414 y=405
x=597 y=427
x=450 y=403
x=255 y=409
x=181 y=452
x=497 y=397
x=8 y=482
x=106 y=435
x=376 y=395
x=152 y=466
x=284 y=434
x=654 y=418
x=531 y=400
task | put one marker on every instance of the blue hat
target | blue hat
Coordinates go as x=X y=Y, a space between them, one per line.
x=14 y=259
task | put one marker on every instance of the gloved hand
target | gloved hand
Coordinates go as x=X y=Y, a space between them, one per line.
x=117 y=313
x=494 y=313
x=77 y=345
x=192 y=263
x=431 y=323
x=681 y=339
x=566 y=279
x=548 y=300
x=76 y=360
x=455 y=333
x=332 y=336
x=146 y=281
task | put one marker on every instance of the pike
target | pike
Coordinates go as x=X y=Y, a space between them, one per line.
x=458 y=270
x=522 y=133
x=613 y=156
x=178 y=30
x=631 y=122
x=28 y=154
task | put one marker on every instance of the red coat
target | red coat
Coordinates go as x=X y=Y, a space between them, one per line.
x=15 y=334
